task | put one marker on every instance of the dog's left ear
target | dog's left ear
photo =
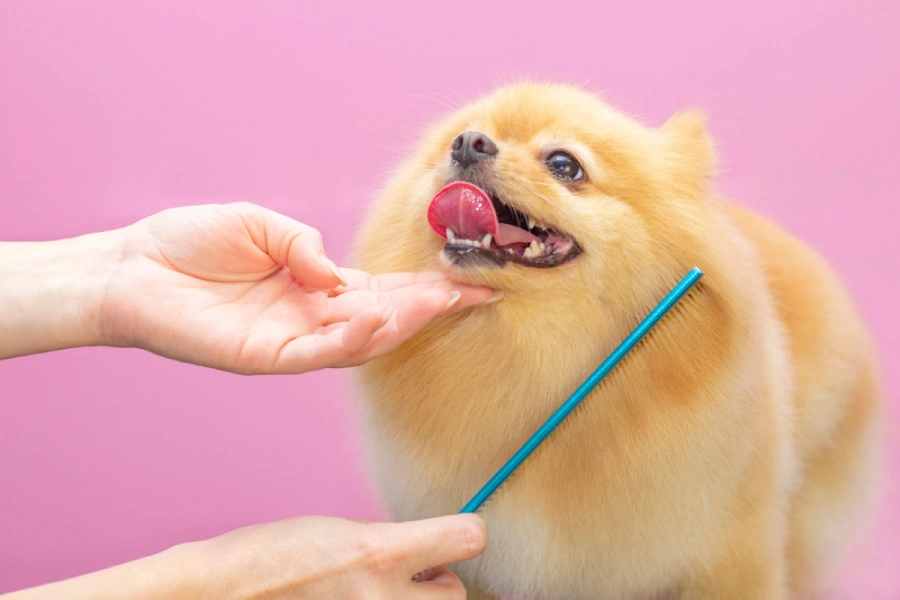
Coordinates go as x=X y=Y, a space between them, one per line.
x=689 y=149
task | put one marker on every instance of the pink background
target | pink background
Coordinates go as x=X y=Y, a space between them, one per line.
x=110 y=111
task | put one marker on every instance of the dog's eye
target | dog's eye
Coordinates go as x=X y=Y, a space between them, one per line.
x=562 y=166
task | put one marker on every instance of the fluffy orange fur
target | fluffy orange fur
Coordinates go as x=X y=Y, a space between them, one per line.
x=729 y=457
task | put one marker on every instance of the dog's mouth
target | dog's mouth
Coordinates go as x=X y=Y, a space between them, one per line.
x=480 y=227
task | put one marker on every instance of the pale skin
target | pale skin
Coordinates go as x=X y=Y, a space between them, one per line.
x=242 y=289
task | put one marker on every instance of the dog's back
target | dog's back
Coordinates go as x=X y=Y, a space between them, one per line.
x=836 y=396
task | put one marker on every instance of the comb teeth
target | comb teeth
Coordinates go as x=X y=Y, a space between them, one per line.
x=633 y=339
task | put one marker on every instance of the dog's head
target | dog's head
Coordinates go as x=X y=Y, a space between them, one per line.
x=538 y=186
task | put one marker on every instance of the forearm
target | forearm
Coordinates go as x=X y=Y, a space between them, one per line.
x=51 y=293
x=177 y=573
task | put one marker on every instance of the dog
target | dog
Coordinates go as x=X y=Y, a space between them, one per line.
x=732 y=455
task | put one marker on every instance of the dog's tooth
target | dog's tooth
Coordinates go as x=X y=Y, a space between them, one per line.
x=535 y=249
x=542 y=246
x=486 y=240
x=450 y=235
x=530 y=223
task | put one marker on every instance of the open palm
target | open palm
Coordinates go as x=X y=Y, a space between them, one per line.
x=241 y=288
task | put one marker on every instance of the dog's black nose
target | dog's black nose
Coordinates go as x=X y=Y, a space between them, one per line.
x=472 y=146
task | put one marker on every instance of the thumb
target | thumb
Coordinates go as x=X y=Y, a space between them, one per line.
x=439 y=541
x=293 y=245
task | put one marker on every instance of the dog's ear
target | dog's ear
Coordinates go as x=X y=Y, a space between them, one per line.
x=689 y=150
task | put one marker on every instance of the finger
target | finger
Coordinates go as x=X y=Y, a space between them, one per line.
x=435 y=542
x=293 y=245
x=364 y=281
x=361 y=327
x=313 y=352
x=343 y=306
x=438 y=583
x=407 y=320
x=347 y=304
x=412 y=316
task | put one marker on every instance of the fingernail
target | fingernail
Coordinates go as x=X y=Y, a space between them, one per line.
x=498 y=296
x=333 y=268
x=423 y=575
x=386 y=316
x=454 y=298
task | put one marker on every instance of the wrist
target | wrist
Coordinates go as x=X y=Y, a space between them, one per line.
x=226 y=569
x=51 y=293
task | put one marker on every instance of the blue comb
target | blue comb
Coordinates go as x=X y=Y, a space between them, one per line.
x=575 y=399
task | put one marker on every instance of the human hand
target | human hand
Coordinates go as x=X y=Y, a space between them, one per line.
x=323 y=557
x=301 y=558
x=236 y=287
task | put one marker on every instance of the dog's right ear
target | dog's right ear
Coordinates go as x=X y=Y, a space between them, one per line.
x=689 y=150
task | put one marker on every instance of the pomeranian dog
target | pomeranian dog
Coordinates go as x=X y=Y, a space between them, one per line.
x=730 y=456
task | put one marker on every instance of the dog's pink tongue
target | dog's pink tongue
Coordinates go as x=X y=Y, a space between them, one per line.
x=467 y=210
x=510 y=234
